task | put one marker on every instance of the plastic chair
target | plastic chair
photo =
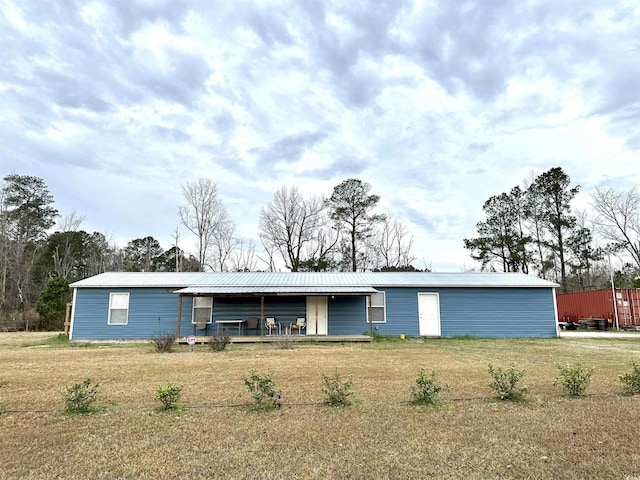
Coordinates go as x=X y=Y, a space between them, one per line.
x=271 y=325
x=299 y=325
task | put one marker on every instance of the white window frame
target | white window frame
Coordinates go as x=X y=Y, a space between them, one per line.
x=112 y=296
x=383 y=306
x=195 y=306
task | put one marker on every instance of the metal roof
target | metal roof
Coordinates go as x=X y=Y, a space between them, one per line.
x=301 y=280
x=278 y=290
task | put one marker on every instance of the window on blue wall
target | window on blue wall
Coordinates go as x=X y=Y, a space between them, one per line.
x=202 y=307
x=378 y=310
x=118 y=309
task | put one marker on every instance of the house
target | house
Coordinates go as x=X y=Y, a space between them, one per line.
x=131 y=305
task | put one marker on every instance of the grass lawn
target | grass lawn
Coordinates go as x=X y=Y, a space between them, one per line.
x=216 y=436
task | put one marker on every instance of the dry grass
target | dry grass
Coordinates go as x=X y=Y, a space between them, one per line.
x=470 y=436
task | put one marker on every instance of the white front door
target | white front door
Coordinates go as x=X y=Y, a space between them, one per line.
x=317 y=316
x=429 y=314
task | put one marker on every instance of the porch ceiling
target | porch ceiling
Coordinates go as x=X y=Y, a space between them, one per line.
x=277 y=290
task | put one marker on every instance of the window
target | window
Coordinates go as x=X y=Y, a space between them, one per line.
x=118 y=309
x=202 y=307
x=378 y=311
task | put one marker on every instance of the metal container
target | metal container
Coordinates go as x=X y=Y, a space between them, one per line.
x=600 y=304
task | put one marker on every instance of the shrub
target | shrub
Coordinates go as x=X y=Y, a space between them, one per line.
x=285 y=343
x=631 y=380
x=505 y=383
x=574 y=378
x=337 y=392
x=169 y=396
x=80 y=397
x=164 y=343
x=218 y=343
x=427 y=389
x=262 y=389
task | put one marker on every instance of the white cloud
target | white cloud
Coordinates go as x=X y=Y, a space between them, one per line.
x=437 y=104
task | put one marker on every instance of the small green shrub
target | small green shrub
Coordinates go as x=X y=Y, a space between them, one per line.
x=80 y=397
x=169 y=396
x=218 y=343
x=164 y=343
x=338 y=392
x=631 y=380
x=574 y=378
x=426 y=390
x=505 y=383
x=262 y=388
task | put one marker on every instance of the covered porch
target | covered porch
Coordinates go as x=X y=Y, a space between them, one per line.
x=275 y=313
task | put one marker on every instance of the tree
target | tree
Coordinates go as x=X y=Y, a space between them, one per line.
x=224 y=245
x=618 y=219
x=393 y=245
x=350 y=206
x=27 y=214
x=501 y=236
x=554 y=195
x=52 y=304
x=203 y=214
x=64 y=254
x=293 y=227
x=141 y=254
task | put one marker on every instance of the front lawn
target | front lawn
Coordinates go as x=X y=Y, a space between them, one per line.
x=215 y=435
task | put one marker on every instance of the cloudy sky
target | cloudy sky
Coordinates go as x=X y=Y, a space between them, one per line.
x=437 y=104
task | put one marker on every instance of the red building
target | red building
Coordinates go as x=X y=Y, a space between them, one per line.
x=600 y=304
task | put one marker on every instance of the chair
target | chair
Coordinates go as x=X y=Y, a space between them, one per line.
x=252 y=324
x=271 y=325
x=299 y=325
x=201 y=324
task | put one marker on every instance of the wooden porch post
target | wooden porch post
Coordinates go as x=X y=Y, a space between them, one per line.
x=316 y=300
x=261 y=316
x=370 y=319
x=67 y=319
x=179 y=315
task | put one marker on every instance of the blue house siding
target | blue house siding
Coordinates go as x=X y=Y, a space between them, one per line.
x=152 y=312
x=482 y=312
x=347 y=316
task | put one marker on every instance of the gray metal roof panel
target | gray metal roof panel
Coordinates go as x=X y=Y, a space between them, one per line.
x=278 y=290
x=311 y=279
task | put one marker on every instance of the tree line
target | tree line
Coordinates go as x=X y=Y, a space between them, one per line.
x=42 y=251
x=532 y=229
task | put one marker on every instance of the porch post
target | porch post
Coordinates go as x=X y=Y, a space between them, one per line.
x=179 y=315
x=316 y=299
x=369 y=317
x=261 y=326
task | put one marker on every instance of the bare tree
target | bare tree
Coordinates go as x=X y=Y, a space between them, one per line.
x=71 y=222
x=292 y=226
x=244 y=257
x=224 y=243
x=618 y=219
x=393 y=244
x=203 y=214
